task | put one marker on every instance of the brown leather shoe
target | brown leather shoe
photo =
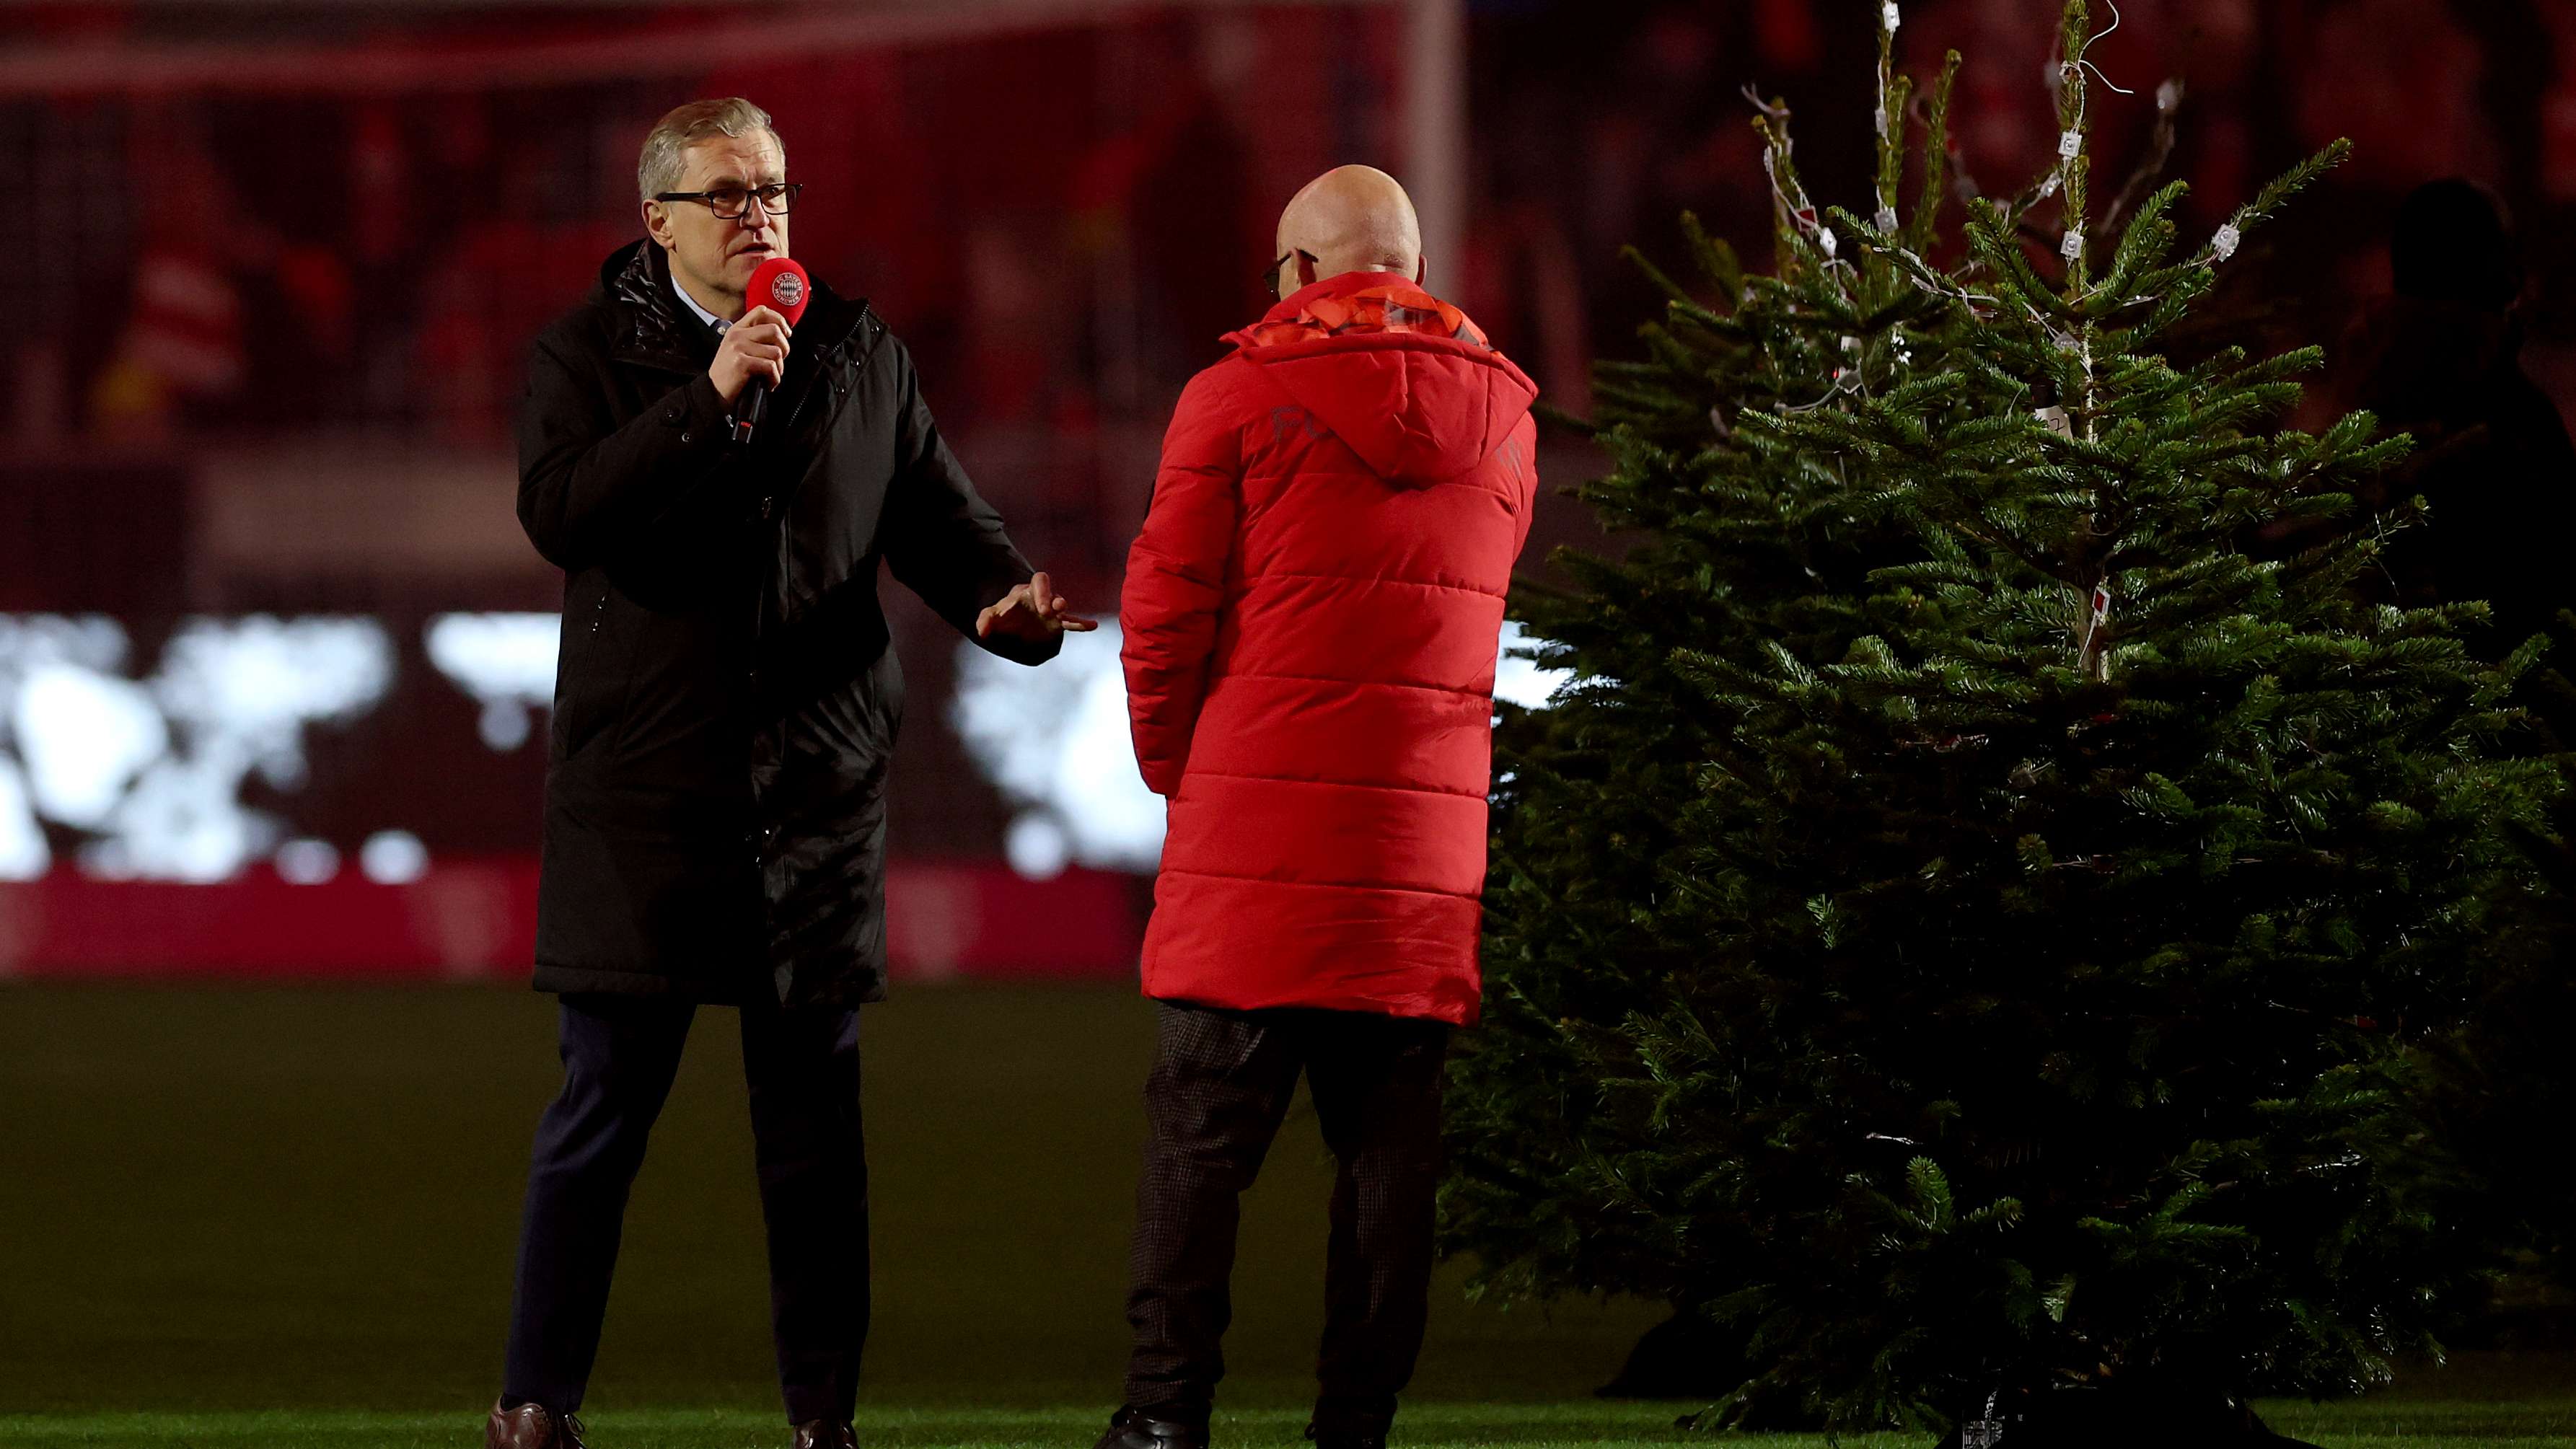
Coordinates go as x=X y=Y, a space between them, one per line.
x=824 y=1434
x=530 y=1426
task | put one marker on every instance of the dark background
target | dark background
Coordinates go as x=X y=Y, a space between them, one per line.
x=274 y=264
x=269 y=271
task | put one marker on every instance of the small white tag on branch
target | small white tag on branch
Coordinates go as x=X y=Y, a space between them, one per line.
x=2224 y=244
x=1886 y=218
x=1887 y=16
x=2068 y=143
x=2091 y=660
x=2072 y=247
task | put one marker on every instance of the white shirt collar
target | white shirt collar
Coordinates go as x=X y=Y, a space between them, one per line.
x=709 y=318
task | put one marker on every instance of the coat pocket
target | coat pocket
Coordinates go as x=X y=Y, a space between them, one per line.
x=592 y=665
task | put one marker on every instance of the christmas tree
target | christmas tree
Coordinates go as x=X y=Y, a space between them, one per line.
x=1961 y=925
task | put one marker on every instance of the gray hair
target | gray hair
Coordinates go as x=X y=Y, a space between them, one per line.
x=666 y=148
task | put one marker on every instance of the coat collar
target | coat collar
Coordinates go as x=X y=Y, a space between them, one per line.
x=650 y=330
x=1341 y=284
x=1359 y=305
x=635 y=287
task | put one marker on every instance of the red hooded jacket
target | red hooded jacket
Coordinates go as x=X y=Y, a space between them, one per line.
x=1310 y=622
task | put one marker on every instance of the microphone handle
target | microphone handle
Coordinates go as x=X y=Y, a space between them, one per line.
x=755 y=403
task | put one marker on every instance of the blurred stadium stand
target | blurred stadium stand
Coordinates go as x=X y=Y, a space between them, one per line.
x=274 y=265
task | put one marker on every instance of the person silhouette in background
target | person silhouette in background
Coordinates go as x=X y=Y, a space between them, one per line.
x=2492 y=458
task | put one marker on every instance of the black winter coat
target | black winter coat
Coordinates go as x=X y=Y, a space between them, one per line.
x=725 y=700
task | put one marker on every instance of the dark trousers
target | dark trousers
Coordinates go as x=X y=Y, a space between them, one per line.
x=619 y=1055
x=1221 y=1082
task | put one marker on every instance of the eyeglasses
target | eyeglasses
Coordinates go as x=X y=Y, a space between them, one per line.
x=730 y=202
x=1270 y=278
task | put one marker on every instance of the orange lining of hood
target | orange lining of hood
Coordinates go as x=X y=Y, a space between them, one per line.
x=1395 y=305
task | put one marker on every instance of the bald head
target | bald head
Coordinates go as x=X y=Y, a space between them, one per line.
x=1353 y=219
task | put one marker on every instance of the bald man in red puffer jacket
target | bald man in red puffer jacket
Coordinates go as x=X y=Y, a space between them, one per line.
x=1311 y=617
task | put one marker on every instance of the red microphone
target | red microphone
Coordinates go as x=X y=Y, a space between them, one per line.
x=780 y=285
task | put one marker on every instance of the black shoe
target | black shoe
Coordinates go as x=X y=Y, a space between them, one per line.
x=1347 y=1438
x=1130 y=1428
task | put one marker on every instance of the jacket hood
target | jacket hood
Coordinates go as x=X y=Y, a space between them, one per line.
x=1401 y=377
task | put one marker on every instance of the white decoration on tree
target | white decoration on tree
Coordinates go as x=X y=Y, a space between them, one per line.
x=1886 y=218
x=1887 y=16
x=2068 y=143
x=2224 y=244
x=2073 y=246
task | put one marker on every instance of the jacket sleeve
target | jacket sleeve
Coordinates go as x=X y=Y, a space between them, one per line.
x=1176 y=574
x=585 y=485
x=939 y=535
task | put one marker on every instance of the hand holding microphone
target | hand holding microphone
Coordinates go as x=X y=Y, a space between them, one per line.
x=754 y=350
x=752 y=359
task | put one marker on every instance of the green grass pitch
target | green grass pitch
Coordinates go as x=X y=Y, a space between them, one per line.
x=284 y=1218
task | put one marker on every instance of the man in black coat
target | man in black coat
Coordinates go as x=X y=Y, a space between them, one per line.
x=725 y=707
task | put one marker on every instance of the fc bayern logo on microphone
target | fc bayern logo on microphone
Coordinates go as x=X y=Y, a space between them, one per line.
x=787 y=289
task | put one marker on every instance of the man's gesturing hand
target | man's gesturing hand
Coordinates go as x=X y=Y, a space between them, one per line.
x=1032 y=611
x=756 y=346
